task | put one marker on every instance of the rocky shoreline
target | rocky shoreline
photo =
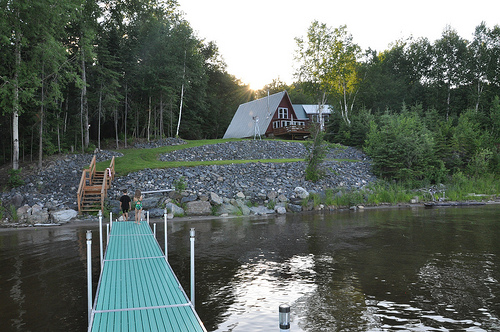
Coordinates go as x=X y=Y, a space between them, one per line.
x=233 y=189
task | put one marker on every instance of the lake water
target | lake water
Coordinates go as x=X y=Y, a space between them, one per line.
x=371 y=270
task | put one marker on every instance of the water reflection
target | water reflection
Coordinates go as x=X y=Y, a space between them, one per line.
x=374 y=270
x=42 y=280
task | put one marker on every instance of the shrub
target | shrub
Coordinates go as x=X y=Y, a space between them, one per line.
x=15 y=179
x=180 y=184
x=401 y=147
x=316 y=152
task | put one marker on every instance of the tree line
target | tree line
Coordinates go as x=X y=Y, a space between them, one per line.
x=423 y=111
x=75 y=72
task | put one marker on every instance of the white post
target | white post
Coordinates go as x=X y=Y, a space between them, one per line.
x=89 y=273
x=147 y=216
x=284 y=316
x=192 y=233
x=100 y=239
x=110 y=219
x=166 y=243
x=154 y=229
x=107 y=234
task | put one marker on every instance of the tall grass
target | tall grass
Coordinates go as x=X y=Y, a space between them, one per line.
x=460 y=188
x=481 y=187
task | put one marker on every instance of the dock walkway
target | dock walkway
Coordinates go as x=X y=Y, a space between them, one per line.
x=138 y=290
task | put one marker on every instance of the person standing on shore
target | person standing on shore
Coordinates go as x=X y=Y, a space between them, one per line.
x=125 y=204
x=138 y=206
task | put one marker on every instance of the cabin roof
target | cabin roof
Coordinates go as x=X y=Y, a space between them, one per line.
x=300 y=113
x=314 y=109
x=254 y=112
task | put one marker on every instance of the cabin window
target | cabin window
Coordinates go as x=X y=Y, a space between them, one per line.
x=276 y=124
x=282 y=113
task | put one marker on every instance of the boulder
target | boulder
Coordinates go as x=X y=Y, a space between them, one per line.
x=280 y=209
x=17 y=200
x=272 y=195
x=39 y=215
x=228 y=209
x=282 y=198
x=149 y=202
x=245 y=210
x=24 y=212
x=215 y=199
x=63 y=216
x=190 y=198
x=261 y=210
x=156 y=213
x=198 y=208
x=294 y=207
x=174 y=209
x=301 y=192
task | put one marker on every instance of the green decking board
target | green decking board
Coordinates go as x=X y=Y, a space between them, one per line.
x=138 y=290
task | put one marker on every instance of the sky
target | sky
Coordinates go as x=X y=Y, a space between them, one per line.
x=257 y=38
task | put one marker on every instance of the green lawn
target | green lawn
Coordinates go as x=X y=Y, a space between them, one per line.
x=134 y=160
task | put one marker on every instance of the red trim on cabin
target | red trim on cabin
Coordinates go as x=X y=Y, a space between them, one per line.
x=286 y=103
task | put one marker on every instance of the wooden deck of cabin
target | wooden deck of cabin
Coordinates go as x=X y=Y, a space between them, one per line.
x=294 y=131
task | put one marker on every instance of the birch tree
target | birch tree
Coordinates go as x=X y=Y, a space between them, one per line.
x=450 y=63
x=327 y=61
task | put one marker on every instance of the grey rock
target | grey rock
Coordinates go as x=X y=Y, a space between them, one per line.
x=228 y=209
x=176 y=210
x=190 y=198
x=17 y=200
x=215 y=199
x=150 y=202
x=245 y=210
x=261 y=210
x=24 y=212
x=156 y=213
x=294 y=207
x=39 y=215
x=272 y=195
x=280 y=209
x=282 y=198
x=198 y=208
x=301 y=192
x=63 y=216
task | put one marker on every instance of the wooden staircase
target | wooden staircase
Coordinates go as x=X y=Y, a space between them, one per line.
x=94 y=187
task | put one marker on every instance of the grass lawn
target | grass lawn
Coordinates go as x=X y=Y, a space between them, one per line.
x=134 y=160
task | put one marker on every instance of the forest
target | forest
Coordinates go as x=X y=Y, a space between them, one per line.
x=76 y=74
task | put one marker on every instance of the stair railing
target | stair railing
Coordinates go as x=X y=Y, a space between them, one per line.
x=87 y=179
x=109 y=175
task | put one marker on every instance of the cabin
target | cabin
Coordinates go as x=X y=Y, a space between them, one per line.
x=275 y=116
x=315 y=113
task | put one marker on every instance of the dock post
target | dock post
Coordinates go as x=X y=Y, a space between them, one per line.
x=147 y=217
x=284 y=317
x=100 y=238
x=107 y=234
x=166 y=243
x=89 y=273
x=110 y=219
x=154 y=229
x=192 y=233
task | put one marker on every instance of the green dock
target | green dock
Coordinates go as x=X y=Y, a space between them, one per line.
x=138 y=290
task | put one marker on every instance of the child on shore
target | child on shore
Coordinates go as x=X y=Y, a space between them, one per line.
x=138 y=206
x=125 y=204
